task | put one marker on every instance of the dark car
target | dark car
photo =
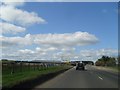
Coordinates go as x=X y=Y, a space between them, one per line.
x=80 y=66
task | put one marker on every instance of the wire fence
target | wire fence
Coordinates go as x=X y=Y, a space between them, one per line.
x=11 y=67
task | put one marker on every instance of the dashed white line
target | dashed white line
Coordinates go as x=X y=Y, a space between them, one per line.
x=100 y=78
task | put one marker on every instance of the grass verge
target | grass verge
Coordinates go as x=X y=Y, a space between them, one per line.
x=114 y=68
x=110 y=68
x=12 y=80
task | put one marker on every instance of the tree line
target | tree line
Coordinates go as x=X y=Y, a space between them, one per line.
x=106 y=61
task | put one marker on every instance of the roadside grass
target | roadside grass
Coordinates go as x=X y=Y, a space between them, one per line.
x=112 y=68
x=115 y=68
x=0 y=80
x=0 y=74
x=9 y=80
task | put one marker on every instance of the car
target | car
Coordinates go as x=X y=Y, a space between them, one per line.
x=80 y=66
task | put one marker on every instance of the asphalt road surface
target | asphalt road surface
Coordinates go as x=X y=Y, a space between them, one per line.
x=90 y=78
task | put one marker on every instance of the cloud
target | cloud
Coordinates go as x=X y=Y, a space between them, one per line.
x=53 y=40
x=49 y=46
x=51 y=54
x=38 y=49
x=16 y=41
x=7 y=28
x=98 y=53
x=69 y=49
x=36 y=54
x=66 y=39
x=19 y=17
x=16 y=20
x=26 y=51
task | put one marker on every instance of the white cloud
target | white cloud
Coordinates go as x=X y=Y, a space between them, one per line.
x=7 y=28
x=98 y=53
x=16 y=41
x=15 y=18
x=39 y=53
x=26 y=51
x=68 y=49
x=18 y=16
x=46 y=53
x=66 y=39
x=54 y=40
x=44 y=49
x=49 y=45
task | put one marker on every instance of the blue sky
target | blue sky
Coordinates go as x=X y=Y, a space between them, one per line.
x=99 y=20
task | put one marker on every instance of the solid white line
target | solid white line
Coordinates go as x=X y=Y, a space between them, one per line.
x=100 y=78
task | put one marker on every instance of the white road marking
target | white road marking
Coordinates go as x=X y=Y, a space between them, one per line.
x=74 y=67
x=100 y=78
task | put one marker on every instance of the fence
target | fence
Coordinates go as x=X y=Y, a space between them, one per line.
x=11 y=67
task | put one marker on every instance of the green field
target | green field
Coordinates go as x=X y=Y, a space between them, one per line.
x=9 y=80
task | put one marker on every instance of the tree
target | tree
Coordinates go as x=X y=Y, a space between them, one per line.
x=99 y=63
x=111 y=62
x=106 y=61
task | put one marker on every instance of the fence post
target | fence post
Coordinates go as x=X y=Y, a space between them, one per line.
x=34 y=66
x=12 y=66
x=21 y=66
x=29 y=65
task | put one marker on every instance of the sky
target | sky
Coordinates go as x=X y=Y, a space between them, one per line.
x=58 y=30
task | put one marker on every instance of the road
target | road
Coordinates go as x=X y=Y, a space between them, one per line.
x=90 y=78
